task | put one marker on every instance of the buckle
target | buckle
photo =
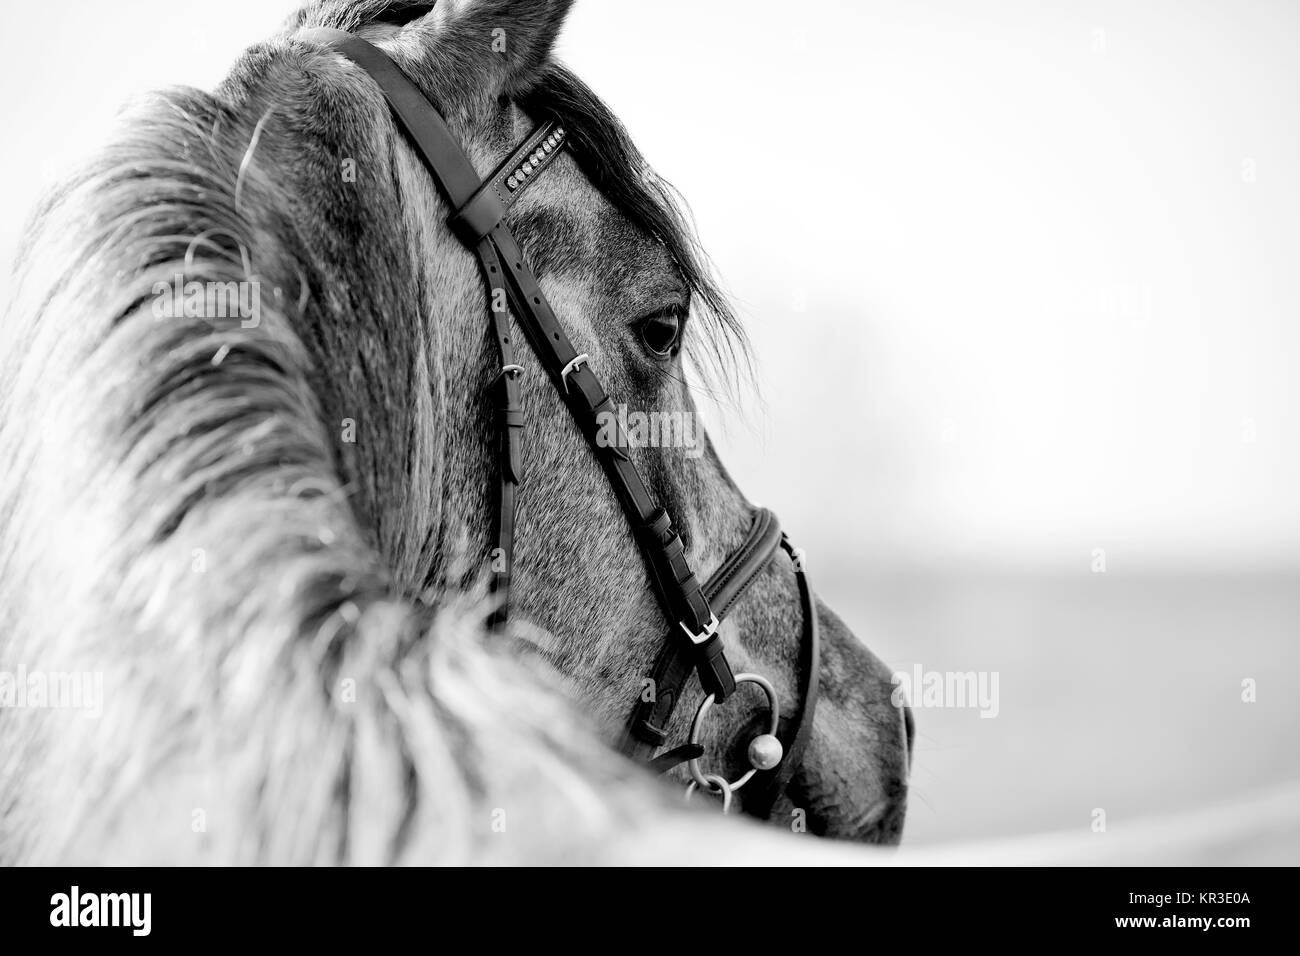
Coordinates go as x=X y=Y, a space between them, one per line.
x=578 y=361
x=709 y=630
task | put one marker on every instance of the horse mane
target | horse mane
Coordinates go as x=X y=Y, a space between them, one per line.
x=175 y=517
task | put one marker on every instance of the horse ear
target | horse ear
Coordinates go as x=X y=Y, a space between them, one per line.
x=496 y=47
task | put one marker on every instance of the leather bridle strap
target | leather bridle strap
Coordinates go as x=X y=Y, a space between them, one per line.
x=648 y=729
x=680 y=595
x=798 y=730
x=478 y=221
x=510 y=425
x=480 y=213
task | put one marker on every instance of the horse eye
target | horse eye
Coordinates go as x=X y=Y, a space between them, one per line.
x=661 y=333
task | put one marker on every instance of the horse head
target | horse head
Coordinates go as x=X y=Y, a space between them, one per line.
x=332 y=447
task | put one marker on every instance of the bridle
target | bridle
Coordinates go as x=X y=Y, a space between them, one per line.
x=693 y=643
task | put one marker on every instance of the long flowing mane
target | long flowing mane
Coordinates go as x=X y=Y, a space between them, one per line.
x=179 y=516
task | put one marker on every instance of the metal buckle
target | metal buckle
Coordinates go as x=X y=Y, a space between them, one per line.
x=507 y=370
x=572 y=366
x=709 y=630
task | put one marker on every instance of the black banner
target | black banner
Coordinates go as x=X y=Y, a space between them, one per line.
x=906 y=906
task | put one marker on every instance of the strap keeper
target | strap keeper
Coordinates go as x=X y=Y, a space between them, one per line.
x=659 y=525
x=474 y=220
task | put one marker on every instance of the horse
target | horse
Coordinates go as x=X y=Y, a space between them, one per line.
x=249 y=444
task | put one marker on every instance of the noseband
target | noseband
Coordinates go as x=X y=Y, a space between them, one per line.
x=693 y=643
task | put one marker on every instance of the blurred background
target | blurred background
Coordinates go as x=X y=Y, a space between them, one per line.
x=1023 y=287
